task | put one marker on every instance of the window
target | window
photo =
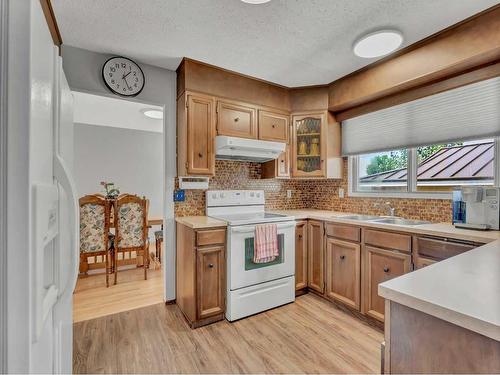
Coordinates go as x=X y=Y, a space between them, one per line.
x=433 y=169
x=383 y=171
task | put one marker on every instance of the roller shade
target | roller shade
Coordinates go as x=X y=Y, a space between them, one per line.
x=464 y=113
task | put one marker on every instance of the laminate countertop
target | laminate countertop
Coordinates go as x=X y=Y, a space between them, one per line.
x=200 y=222
x=433 y=229
x=463 y=290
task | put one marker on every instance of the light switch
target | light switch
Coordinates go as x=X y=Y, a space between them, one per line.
x=288 y=193
x=341 y=193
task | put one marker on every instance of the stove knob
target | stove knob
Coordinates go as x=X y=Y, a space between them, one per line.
x=252 y=194
x=258 y=195
x=214 y=196
x=222 y=195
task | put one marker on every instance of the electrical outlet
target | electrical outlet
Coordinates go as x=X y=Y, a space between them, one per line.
x=341 y=193
x=288 y=193
x=179 y=196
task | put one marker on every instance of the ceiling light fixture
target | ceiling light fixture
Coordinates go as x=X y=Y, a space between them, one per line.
x=378 y=43
x=256 y=1
x=155 y=114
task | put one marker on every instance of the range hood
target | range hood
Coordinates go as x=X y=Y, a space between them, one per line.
x=243 y=149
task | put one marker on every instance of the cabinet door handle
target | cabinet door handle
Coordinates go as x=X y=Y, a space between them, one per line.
x=342 y=257
x=273 y=126
x=300 y=236
x=386 y=269
x=282 y=161
x=210 y=265
x=200 y=155
x=236 y=119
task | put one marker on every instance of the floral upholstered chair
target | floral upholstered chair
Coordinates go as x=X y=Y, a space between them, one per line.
x=94 y=229
x=131 y=227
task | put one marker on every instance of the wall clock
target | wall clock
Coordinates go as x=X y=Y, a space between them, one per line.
x=123 y=76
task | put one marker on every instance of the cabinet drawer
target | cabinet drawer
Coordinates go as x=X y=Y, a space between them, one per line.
x=273 y=126
x=210 y=237
x=440 y=248
x=344 y=232
x=236 y=120
x=387 y=240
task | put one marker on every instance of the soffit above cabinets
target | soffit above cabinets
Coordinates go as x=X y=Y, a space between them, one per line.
x=292 y=43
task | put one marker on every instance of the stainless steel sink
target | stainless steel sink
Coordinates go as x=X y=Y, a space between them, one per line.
x=359 y=217
x=399 y=221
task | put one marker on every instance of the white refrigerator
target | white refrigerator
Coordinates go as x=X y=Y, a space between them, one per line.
x=40 y=331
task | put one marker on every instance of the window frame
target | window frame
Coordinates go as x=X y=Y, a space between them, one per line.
x=352 y=172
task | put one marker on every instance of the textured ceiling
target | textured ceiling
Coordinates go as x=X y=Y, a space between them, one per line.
x=289 y=42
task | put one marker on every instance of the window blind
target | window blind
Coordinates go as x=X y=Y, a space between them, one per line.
x=464 y=113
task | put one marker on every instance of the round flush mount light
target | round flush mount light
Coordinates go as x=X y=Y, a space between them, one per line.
x=378 y=43
x=152 y=113
x=256 y=1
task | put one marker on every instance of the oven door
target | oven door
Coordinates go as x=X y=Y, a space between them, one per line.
x=243 y=272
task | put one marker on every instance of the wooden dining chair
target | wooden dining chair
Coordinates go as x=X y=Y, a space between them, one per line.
x=131 y=226
x=94 y=230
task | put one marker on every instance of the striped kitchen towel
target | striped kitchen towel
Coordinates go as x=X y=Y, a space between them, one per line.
x=266 y=243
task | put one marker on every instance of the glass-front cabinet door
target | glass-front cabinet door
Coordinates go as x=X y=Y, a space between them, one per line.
x=309 y=146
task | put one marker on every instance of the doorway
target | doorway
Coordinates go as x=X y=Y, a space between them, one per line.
x=118 y=150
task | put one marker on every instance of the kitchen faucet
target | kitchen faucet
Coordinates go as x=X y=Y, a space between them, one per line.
x=392 y=210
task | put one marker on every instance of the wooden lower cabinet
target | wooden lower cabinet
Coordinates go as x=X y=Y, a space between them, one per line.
x=343 y=272
x=210 y=277
x=301 y=255
x=316 y=256
x=201 y=274
x=380 y=265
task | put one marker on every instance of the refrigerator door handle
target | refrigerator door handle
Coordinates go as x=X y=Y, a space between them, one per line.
x=63 y=176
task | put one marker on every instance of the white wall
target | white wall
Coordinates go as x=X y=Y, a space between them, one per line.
x=132 y=159
x=83 y=70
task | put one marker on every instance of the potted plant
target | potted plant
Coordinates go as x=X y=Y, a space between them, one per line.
x=110 y=190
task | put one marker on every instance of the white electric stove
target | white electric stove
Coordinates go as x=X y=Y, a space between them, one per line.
x=253 y=287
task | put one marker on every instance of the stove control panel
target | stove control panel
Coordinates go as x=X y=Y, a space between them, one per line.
x=217 y=198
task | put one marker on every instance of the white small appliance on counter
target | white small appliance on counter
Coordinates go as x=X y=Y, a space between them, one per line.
x=252 y=287
x=482 y=208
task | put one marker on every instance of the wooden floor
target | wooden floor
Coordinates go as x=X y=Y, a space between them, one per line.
x=91 y=298
x=308 y=336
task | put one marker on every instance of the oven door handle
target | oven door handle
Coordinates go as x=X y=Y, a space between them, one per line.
x=252 y=229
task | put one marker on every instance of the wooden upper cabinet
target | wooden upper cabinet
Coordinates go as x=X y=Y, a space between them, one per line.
x=309 y=145
x=316 y=150
x=273 y=126
x=343 y=272
x=195 y=135
x=315 y=235
x=236 y=120
x=301 y=255
x=380 y=265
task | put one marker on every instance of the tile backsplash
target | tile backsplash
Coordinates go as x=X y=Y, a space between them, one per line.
x=318 y=194
x=232 y=175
